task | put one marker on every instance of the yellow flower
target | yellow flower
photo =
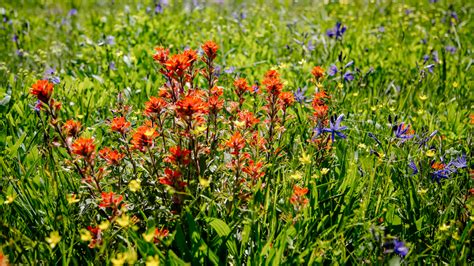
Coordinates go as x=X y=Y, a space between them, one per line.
x=444 y=228
x=134 y=185
x=53 y=239
x=119 y=259
x=104 y=225
x=423 y=97
x=85 y=235
x=152 y=261
x=355 y=94
x=296 y=175
x=123 y=220
x=305 y=158
x=340 y=85
x=149 y=236
x=324 y=171
x=430 y=153
x=10 y=199
x=422 y=191
x=373 y=108
x=204 y=182
x=455 y=84
x=456 y=236
x=72 y=198
x=131 y=256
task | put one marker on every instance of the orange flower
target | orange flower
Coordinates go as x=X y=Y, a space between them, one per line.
x=287 y=99
x=178 y=156
x=161 y=233
x=254 y=169
x=155 y=106
x=43 y=90
x=161 y=55
x=144 y=137
x=319 y=98
x=110 y=199
x=191 y=55
x=119 y=124
x=272 y=82
x=96 y=236
x=299 y=196
x=83 y=147
x=320 y=111
x=190 y=105
x=171 y=178
x=210 y=49
x=248 y=118
x=71 y=128
x=318 y=72
x=241 y=86
x=3 y=260
x=438 y=166
x=178 y=64
x=236 y=142
x=112 y=157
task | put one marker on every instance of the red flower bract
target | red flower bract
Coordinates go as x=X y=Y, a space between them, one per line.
x=83 y=147
x=112 y=157
x=71 y=128
x=190 y=105
x=119 y=124
x=110 y=199
x=161 y=55
x=178 y=156
x=210 y=49
x=177 y=64
x=318 y=72
x=43 y=90
x=272 y=82
x=236 y=142
x=144 y=137
x=287 y=99
x=155 y=106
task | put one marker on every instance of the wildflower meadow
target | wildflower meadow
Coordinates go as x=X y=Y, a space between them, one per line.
x=236 y=132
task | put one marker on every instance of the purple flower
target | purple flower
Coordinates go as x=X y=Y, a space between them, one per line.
x=430 y=68
x=426 y=58
x=348 y=76
x=413 y=167
x=55 y=80
x=435 y=57
x=229 y=70
x=458 y=163
x=299 y=95
x=15 y=38
x=255 y=88
x=158 y=9
x=72 y=12
x=382 y=29
x=335 y=128
x=337 y=31
x=50 y=71
x=310 y=46
x=451 y=49
x=112 y=66
x=402 y=132
x=349 y=64
x=332 y=71
x=400 y=248
x=110 y=40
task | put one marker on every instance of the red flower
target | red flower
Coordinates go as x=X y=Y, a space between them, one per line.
x=190 y=105
x=191 y=55
x=110 y=199
x=155 y=106
x=320 y=111
x=112 y=157
x=438 y=166
x=236 y=142
x=171 y=177
x=248 y=118
x=144 y=137
x=287 y=99
x=241 y=87
x=96 y=236
x=178 y=156
x=210 y=49
x=161 y=55
x=254 y=170
x=83 y=147
x=318 y=72
x=298 y=197
x=160 y=234
x=178 y=64
x=272 y=82
x=319 y=98
x=43 y=90
x=119 y=124
x=71 y=128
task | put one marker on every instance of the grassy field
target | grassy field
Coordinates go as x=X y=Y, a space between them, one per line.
x=193 y=132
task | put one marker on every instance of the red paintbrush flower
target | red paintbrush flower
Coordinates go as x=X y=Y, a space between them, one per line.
x=248 y=118
x=43 y=90
x=190 y=105
x=96 y=236
x=178 y=156
x=83 y=147
x=110 y=199
x=318 y=72
x=144 y=137
x=236 y=142
x=171 y=177
x=119 y=124
x=161 y=55
x=286 y=99
x=191 y=55
x=178 y=64
x=272 y=82
x=112 y=157
x=254 y=169
x=298 y=197
x=155 y=106
x=210 y=49
x=71 y=128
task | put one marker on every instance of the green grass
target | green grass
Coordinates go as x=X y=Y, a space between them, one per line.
x=368 y=196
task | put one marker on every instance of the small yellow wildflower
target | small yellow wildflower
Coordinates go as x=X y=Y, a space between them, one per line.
x=430 y=153
x=104 y=225
x=10 y=199
x=123 y=220
x=455 y=84
x=423 y=97
x=119 y=260
x=53 y=239
x=134 y=185
x=444 y=228
x=456 y=236
x=324 y=171
x=204 y=182
x=422 y=191
x=85 y=235
x=131 y=256
x=296 y=175
x=340 y=86
x=72 y=198
x=149 y=236
x=305 y=158
x=152 y=261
